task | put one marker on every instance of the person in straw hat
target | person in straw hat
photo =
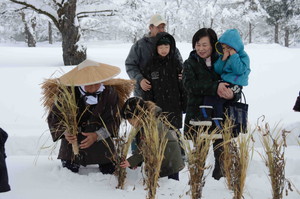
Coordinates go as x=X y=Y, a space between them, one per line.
x=98 y=97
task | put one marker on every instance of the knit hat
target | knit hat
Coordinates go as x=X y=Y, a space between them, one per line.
x=132 y=107
x=156 y=20
x=89 y=72
x=163 y=41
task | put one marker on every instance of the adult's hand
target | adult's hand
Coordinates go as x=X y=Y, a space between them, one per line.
x=145 y=85
x=224 y=92
x=72 y=139
x=125 y=164
x=90 y=139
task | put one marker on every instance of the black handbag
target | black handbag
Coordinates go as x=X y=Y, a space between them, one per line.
x=238 y=113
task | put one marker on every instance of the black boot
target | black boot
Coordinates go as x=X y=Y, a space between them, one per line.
x=107 y=168
x=204 y=118
x=72 y=166
x=217 y=122
x=218 y=150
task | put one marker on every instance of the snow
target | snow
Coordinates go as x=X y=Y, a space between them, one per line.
x=35 y=173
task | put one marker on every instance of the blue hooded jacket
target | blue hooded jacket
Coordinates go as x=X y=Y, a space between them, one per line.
x=236 y=68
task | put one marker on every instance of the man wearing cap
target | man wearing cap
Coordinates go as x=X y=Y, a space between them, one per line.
x=141 y=52
x=98 y=101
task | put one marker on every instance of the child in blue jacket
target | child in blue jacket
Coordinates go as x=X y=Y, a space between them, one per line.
x=233 y=66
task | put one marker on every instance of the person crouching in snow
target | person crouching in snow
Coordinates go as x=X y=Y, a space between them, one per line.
x=134 y=111
x=98 y=98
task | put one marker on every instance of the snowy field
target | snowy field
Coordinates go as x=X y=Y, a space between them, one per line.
x=34 y=173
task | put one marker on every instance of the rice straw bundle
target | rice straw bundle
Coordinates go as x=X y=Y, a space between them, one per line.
x=236 y=158
x=197 y=152
x=274 y=159
x=153 y=148
x=122 y=147
x=65 y=102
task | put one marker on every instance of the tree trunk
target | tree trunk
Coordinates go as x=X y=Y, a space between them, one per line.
x=73 y=52
x=276 y=36
x=250 y=33
x=29 y=37
x=286 y=37
x=50 y=34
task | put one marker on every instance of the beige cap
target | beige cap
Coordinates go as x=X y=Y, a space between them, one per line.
x=89 y=72
x=157 y=19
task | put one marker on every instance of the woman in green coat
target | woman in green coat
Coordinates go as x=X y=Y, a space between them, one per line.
x=133 y=111
x=200 y=79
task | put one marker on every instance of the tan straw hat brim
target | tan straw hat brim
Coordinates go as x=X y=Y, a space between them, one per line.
x=89 y=72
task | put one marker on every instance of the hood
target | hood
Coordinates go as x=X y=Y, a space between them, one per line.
x=233 y=39
x=172 y=45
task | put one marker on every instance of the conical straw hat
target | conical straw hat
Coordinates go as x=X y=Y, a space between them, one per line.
x=89 y=72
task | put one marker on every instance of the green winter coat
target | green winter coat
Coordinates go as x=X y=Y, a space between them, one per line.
x=172 y=162
x=198 y=81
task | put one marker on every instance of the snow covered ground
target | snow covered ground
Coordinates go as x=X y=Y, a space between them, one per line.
x=34 y=173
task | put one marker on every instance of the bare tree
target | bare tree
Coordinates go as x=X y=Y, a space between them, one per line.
x=50 y=33
x=29 y=29
x=66 y=20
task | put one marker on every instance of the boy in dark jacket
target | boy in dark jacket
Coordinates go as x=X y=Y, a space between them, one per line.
x=164 y=72
x=4 y=186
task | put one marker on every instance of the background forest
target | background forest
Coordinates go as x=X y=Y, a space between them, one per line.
x=259 y=21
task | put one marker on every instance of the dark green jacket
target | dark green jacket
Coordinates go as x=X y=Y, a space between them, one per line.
x=198 y=81
x=172 y=162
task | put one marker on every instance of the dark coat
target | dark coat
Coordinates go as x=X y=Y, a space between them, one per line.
x=198 y=81
x=103 y=114
x=297 y=104
x=167 y=90
x=139 y=55
x=4 y=186
x=172 y=162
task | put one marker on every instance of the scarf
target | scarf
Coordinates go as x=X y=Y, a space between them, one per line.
x=91 y=98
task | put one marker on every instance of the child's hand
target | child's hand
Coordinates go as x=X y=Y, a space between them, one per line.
x=145 y=85
x=226 y=54
x=125 y=164
x=232 y=51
